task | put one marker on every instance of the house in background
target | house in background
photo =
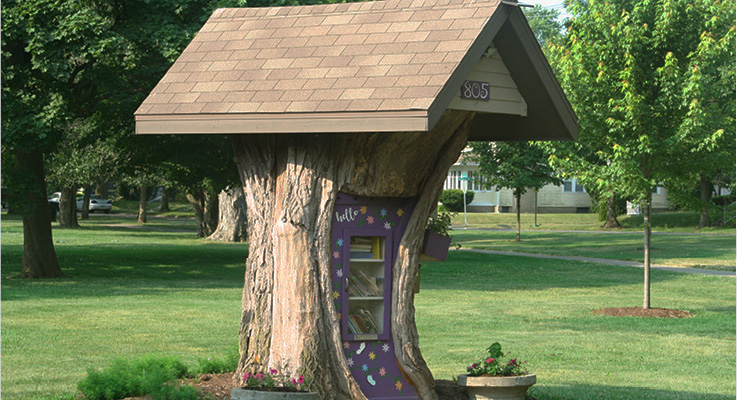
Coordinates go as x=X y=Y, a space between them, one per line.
x=571 y=197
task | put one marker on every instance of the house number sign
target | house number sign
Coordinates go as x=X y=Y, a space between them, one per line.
x=474 y=90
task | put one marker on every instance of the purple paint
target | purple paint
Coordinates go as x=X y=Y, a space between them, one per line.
x=370 y=355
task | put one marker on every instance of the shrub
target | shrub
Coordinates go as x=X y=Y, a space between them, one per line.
x=132 y=378
x=218 y=365
x=452 y=199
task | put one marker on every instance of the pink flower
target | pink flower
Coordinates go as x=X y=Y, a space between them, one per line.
x=246 y=376
x=370 y=220
x=475 y=365
x=336 y=254
x=294 y=381
x=273 y=371
x=489 y=360
x=260 y=376
x=382 y=371
x=301 y=379
x=512 y=361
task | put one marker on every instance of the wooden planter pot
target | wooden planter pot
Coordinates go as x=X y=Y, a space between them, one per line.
x=435 y=247
x=497 y=387
x=252 y=394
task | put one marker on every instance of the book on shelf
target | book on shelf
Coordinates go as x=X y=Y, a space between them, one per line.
x=362 y=285
x=361 y=321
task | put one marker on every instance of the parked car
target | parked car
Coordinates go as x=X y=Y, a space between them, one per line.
x=97 y=203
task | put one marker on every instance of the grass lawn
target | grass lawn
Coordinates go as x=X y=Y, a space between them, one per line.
x=131 y=292
x=662 y=222
x=715 y=252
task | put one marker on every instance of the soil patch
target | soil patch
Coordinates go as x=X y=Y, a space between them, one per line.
x=642 y=312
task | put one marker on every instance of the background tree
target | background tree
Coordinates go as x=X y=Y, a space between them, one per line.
x=515 y=165
x=67 y=60
x=232 y=219
x=632 y=72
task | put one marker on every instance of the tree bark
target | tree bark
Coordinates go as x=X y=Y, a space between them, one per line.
x=85 y=214
x=142 y=205
x=517 y=197
x=291 y=182
x=165 y=201
x=205 y=206
x=232 y=225
x=705 y=196
x=647 y=234
x=68 y=207
x=39 y=256
x=611 y=213
x=101 y=189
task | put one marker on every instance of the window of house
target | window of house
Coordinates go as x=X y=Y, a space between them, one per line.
x=572 y=186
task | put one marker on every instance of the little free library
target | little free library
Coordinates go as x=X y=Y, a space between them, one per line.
x=344 y=120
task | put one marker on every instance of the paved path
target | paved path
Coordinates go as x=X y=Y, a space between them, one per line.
x=730 y=274
x=608 y=232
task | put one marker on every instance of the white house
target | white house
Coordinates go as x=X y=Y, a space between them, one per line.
x=571 y=197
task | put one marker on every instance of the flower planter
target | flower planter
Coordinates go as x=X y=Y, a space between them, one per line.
x=497 y=387
x=240 y=393
x=435 y=246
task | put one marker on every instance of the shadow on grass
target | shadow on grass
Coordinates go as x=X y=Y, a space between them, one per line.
x=582 y=391
x=491 y=273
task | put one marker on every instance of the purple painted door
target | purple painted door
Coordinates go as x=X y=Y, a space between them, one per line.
x=365 y=236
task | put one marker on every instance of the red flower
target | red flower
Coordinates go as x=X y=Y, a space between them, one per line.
x=273 y=371
x=301 y=379
x=260 y=376
x=489 y=360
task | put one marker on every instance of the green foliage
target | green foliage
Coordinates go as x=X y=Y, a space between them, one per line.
x=218 y=365
x=452 y=199
x=545 y=25
x=440 y=223
x=601 y=208
x=131 y=378
x=515 y=165
x=494 y=364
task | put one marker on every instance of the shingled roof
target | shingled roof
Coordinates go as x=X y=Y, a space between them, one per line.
x=375 y=66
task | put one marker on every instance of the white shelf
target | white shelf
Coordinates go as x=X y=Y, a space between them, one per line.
x=367 y=298
x=368 y=260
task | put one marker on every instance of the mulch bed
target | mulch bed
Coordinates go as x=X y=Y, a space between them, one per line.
x=642 y=312
x=218 y=386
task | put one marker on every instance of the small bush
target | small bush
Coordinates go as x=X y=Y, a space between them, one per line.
x=217 y=365
x=452 y=199
x=132 y=378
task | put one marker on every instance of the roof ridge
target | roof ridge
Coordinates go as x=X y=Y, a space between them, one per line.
x=343 y=8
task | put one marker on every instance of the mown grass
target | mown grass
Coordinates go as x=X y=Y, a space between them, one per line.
x=715 y=252
x=131 y=292
x=662 y=222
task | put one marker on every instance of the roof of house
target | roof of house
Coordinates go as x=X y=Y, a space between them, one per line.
x=374 y=66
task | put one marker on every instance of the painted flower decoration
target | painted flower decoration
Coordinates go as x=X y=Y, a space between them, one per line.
x=385 y=347
x=400 y=212
x=383 y=212
x=339 y=243
x=398 y=385
x=335 y=254
x=350 y=362
x=382 y=371
x=346 y=345
x=339 y=273
x=363 y=210
x=336 y=294
x=387 y=226
x=372 y=355
x=364 y=367
x=370 y=220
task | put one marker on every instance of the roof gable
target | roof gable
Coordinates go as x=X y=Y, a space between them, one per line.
x=376 y=66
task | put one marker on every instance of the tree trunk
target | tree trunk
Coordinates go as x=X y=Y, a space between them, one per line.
x=86 y=202
x=705 y=189
x=165 y=201
x=68 y=207
x=232 y=225
x=205 y=206
x=291 y=183
x=611 y=213
x=517 y=197
x=647 y=230
x=39 y=256
x=101 y=189
x=142 y=205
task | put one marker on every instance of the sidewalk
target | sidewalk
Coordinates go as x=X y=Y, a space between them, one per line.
x=730 y=274
x=608 y=232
